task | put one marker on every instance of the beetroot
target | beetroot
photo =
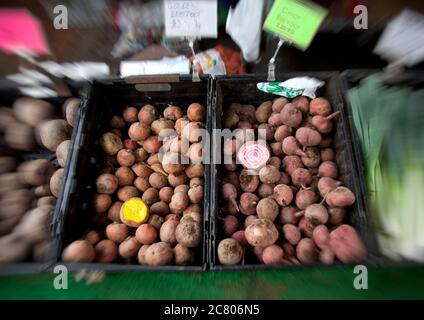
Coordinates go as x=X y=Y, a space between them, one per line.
x=305 y=198
x=265 y=132
x=347 y=245
x=265 y=190
x=240 y=237
x=284 y=178
x=248 y=182
x=291 y=147
x=321 y=236
x=267 y=208
x=275 y=162
x=261 y=233
x=275 y=119
x=248 y=202
x=336 y=216
x=278 y=104
x=327 y=154
x=308 y=137
x=328 y=169
x=291 y=163
x=326 y=142
x=283 y=194
x=306 y=251
x=264 y=111
x=249 y=219
x=312 y=157
x=273 y=255
x=315 y=214
x=340 y=197
x=277 y=149
x=229 y=193
x=287 y=215
x=291 y=233
x=253 y=154
x=269 y=174
x=291 y=115
x=230 y=225
x=301 y=104
x=327 y=184
x=324 y=124
x=301 y=177
x=282 y=132
x=320 y=106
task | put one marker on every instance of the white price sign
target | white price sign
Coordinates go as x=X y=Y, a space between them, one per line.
x=191 y=18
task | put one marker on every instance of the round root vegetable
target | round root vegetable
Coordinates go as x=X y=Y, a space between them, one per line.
x=53 y=132
x=196 y=153
x=248 y=181
x=230 y=252
x=230 y=225
x=183 y=255
x=275 y=119
x=233 y=178
x=278 y=104
x=117 y=232
x=159 y=254
x=195 y=194
x=263 y=112
x=36 y=172
x=167 y=232
x=283 y=194
x=141 y=255
x=347 y=245
x=158 y=180
x=248 y=202
x=291 y=115
x=179 y=202
x=292 y=234
x=162 y=124
x=229 y=193
x=165 y=194
x=159 y=208
x=33 y=111
x=304 y=228
x=181 y=188
x=172 y=112
x=320 y=106
x=282 y=132
x=142 y=184
x=79 y=251
x=253 y=154
x=125 y=157
x=193 y=215
x=180 y=124
x=284 y=178
x=155 y=221
x=130 y=114
x=301 y=104
x=152 y=144
x=288 y=215
x=189 y=233
x=194 y=207
x=56 y=182
x=249 y=219
x=147 y=114
x=269 y=174
x=275 y=162
x=261 y=233
x=62 y=152
x=195 y=170
x=240 y=237
x=111 y=143
x=126 y=193
x=291 y=147
x=134 y=212
x=106 y=251
x=306 y=251
x=140 y=154
x=138 y=131
x=324 y=124
x=321 y=236
x=327 y=184
x=102 y=203
x=308 y=137
x=117 y=122
x=316 y=214
x=301 y=177
x=92 y=236
x=141 y=170
x=125 y=176
x=340 y=197
x=267 y=208
x=289 y=251
x=154 y=158
x=146 y=234
x=327 y=154
x=196 y=112
x=264 y=190
x=326 y=142
x=20 y=136
x=117 y=132
x=106 y=183
x=273 y=255
x=312 y=157
x=129 y=248
x=328 y=169
x=171 y=162
x=336 y=216
x=229 y=208
x=291 y=163
x=304 y=198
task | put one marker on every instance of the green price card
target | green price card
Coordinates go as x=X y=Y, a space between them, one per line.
x=295 y=20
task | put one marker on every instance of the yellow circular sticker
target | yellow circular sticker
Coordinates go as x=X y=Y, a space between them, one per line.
x=134 y=212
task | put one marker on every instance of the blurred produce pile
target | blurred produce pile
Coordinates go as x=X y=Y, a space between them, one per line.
x=35 y=140
x=149 y=201
x=285 y=203
x=389 y=122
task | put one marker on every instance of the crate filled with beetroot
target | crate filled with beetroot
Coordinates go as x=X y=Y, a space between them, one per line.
x=285 y=192
x=35 y=143
x=138 y=195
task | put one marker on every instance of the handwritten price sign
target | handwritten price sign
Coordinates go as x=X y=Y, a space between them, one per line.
x=295 y=20
x=195 y=18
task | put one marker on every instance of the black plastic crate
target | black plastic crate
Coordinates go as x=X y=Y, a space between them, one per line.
x=101 y=100
x=243 y=89
x=8 y=94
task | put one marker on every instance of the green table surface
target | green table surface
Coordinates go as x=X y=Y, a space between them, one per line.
x=304 y=283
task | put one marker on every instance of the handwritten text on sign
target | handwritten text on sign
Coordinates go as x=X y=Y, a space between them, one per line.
x=295 y=20
x=191 y=18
